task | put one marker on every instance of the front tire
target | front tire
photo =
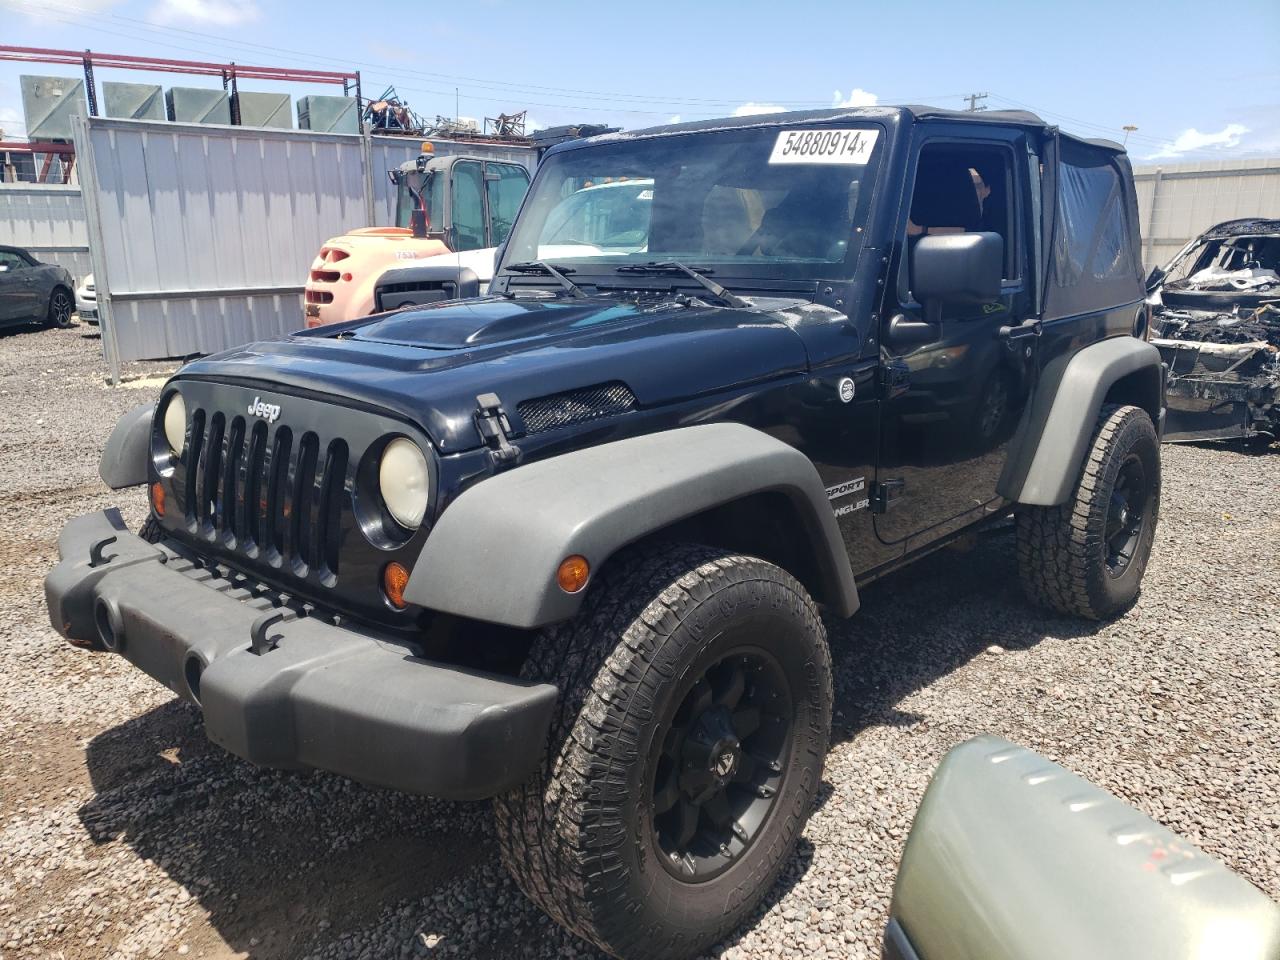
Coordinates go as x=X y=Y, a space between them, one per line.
x=1086 y=557
x=684 y=755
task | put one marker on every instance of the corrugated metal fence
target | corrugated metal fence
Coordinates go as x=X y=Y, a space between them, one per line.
x=1180 y=201
x=201 y=236
x=47 y=220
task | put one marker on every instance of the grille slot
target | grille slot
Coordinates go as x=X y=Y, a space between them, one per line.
x=210 y=473
x=576 y=406
x=328 y=525
x=230 y=499
x=252 y=530
x=278 y=505
x=300 y=541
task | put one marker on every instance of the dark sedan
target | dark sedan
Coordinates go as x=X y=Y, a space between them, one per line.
x=33 y=291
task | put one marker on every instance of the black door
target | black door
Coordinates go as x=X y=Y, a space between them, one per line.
x=952 y=398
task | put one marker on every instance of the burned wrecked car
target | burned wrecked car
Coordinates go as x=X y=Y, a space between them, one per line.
x=1216 y=321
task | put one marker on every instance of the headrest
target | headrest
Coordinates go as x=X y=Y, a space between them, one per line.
x=944 y=195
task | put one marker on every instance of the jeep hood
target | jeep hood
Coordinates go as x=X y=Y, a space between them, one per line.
x=428 y=365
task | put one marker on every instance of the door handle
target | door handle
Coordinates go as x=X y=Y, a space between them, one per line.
x=1022 y=331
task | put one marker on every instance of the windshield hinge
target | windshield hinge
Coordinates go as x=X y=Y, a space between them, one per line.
x=495 y=429
x=895 y=378
x=884 y=493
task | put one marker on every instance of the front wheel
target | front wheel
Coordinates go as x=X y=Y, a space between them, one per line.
x=684 y=754
x=60 y=306
x=1087 y=556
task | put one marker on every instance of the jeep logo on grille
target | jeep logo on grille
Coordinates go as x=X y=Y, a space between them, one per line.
x=268 y=411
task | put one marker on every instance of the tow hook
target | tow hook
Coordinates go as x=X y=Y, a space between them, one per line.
x=97 y=551
x=495 y=429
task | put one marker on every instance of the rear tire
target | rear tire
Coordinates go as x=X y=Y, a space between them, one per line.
x=60 y=306
x=1086 y=557
x=695 y=689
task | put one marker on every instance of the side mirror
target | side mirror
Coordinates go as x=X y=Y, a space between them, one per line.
x=1154 y=278
x=957 y=268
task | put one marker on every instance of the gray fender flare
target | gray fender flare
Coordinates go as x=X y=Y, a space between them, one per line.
x=1051 y=442
x=494 y=552
x=124 y=458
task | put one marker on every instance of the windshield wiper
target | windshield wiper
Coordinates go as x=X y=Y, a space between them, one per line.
x=538 y=266
x=675 y=266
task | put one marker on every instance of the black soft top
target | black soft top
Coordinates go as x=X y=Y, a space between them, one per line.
x=903 y=114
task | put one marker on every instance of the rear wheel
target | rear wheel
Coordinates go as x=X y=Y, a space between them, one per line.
x=60 y=307
x=684 y=755
x=1087 y=556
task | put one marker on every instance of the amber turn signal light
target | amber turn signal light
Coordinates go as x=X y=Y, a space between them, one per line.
x=157 y=499
x=395 y=577
x=573 y=573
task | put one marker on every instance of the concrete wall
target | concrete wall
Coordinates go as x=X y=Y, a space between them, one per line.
x=1180 y=201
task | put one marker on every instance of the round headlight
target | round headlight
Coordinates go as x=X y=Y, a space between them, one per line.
x=404 y=482
x=175 y=423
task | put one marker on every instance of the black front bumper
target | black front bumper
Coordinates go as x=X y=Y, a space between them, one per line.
x=305 y=693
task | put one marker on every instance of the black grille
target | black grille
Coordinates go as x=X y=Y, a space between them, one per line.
x=576 y=406
x=269 y=495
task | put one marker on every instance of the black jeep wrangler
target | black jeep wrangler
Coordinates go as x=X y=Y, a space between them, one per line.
x=565 y=545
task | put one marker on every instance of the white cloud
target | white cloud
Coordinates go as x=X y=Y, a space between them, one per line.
x=675 y=118
x=752 y=109
x=217 y=13
x=12 y=124
x=65 y=11
x=1192 y=140
x=857 y=98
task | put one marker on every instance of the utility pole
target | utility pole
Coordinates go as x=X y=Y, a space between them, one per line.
x=973 y=99
x=1128 y=128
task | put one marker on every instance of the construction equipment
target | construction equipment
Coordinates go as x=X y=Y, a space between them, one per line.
x=459 y=206
x=456 y=207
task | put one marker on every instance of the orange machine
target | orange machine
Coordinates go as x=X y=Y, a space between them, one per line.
x=462 y=205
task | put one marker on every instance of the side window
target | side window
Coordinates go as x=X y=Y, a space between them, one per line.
x=1092 y=233
x=10 y=261
x=967 y=188
x=468 y=206
x=506 y=184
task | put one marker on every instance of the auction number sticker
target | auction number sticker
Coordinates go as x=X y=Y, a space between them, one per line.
x=824 y=146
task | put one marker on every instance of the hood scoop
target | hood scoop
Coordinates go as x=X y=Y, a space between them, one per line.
x=470 y=324
x=576 y=406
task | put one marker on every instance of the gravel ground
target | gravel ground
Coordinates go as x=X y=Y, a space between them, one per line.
x=124 y=833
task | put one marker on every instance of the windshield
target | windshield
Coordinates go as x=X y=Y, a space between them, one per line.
x=758 y=201
x=417 y=182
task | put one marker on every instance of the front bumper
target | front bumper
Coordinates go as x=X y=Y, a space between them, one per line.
x=299 y=691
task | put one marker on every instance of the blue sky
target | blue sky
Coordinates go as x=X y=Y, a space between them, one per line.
x=1200 y=81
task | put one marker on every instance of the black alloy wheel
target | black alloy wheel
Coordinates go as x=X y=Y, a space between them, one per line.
x=719 y=768
x=1126 y=514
